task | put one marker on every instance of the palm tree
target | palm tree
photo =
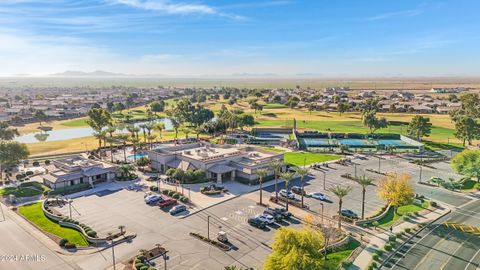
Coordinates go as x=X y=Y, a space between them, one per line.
x=159 y=127
x=340 y=192
x=187 y=131
x=176 y=126
x=134 y=140
x=126 y=170
x=7 y=133
x=151 y=138
x=100 y=135
x=287 y=177
x=144 y=130
x=110 y=130
x=121 y=228
x=276 y=166
x=261 y=175
x=363 y=181
x=124 y=139
x=302 y=172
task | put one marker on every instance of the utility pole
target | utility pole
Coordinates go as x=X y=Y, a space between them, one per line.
x=321 y=204
x=70 y=206
x=379 y=164
x=355 y=164
x=3 y=214
x=324 y=180
x=113 y=250
x=208 y=227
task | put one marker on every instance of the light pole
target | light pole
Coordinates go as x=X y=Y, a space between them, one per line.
x=355 y=165
x=321 y=204
x=208 y=227
x=379 y=164
x=324 y=180
x=113 y=250
x=70 y=207
x=3 y=214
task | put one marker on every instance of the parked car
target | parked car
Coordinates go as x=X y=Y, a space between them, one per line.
x=349 y=214
x=255 y=222
x=152 y=178
x=318 y=196
x=266 y=218
x=177 y=209
x=270 y=211
x=152 y=198
x=167 y=203
x=282 y=211
x=284 y=193
x=298 y=190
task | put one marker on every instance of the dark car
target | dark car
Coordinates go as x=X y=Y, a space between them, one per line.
x=152 y=178
x=298 y=190
x=255 y=222
x=270 y=211
x=349 y=214
x=283 y=212
x=177 y=209
x=167 y=203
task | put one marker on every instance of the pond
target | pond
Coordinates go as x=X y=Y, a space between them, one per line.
x=73 y=133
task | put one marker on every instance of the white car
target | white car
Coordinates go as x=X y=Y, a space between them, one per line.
x=318 y=196
x=284 y=193
x=152 y=198
x=269 y=219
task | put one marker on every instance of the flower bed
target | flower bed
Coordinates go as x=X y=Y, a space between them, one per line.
x=220 y=245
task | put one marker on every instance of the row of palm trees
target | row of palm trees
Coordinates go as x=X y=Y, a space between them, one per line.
x=339 y=191
x=110 y=136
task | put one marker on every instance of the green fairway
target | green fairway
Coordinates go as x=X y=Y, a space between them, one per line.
x=274 y=106
x=34 y=213
x=307 y=158
x=24 y=190
x=335 y=259
x=273 y=149
x=79 y=122
x=354 y=127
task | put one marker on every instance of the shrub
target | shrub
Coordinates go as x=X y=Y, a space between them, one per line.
x=63 y=242
x=433 y=204
x=165 y=191
x=20 y=176
x=399 y=234
x=153 y=188
x=36 y=164
x=139 y=265
x=388 y=247
x=406 y=218
x=379 y=252
x=47 y=162
x=28 y=173
x=145 y=267
x=170 y=193
x=137 y=260
x=184 y=199
x=392 y=238
x=92 y=234
x=176 y=196
x=375 y=224
x=375 y=257
x=69 y=245
x=408 y=230
x=374 y=265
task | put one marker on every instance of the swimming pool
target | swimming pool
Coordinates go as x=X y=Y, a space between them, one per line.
x=137 y=156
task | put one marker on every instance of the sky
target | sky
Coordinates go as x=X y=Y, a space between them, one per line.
x=290 y=38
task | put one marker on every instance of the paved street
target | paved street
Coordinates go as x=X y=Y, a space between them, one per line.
x=16 y=241
x=439 y=247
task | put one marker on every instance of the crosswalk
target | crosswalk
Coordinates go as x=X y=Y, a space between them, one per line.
x=463 y=227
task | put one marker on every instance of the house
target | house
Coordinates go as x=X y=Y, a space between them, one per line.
x=220 y=162
x=78 y=170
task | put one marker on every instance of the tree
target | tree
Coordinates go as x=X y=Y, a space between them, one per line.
x=157 y=106
x=370 y=106
x=159 y=127
x=467 y=163
x=134 y=140
x=11 y=153
x=100 y=136
x=7 y=133
x=261 y=175
x=466 y=129
x=302 y=172
x=110 y=130
x=143 y=162
x=126 y=171
x=364 y=182
x=98 y=118
x=287 y=177
x=276 y=166
x=371 y=121
x=124 y=139
x=419 y=127
x=343 y=107
x=340 y=192
x=40 y=115
x=395 y=189
x=296 y=249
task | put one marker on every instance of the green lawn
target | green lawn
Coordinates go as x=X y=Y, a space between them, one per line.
x=307 y=158
x=273 y=149
x=443 y=146
x=23 y=191
x=79 y=122
x=335 y=259
x=274 y=106
x=391 y=217
x=355 y=127
x=34 y=213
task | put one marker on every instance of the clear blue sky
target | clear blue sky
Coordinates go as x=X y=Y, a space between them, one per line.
x=220 y=37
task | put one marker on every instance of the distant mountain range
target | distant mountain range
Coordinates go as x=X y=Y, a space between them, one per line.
x=97 y=73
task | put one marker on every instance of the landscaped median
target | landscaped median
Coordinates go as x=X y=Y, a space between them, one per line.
x=27 y=189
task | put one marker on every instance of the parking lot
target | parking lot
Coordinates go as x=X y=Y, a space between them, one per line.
x=105 y=212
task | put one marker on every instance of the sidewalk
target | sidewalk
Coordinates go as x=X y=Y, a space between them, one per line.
x=378 y=241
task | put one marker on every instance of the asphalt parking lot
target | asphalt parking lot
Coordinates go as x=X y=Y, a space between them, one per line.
x=155 y=226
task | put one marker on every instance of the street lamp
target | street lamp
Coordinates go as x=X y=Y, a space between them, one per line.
x=208 y=227
x=324 y=180
x=113 y=250
x=355 y=165
x=70 y=207
x=379 y=164
x=321 y=204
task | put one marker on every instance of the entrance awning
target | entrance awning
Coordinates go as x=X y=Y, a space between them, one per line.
x=221 y=168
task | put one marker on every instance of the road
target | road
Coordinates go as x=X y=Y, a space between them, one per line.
x=18 y=243
x=441 y=247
